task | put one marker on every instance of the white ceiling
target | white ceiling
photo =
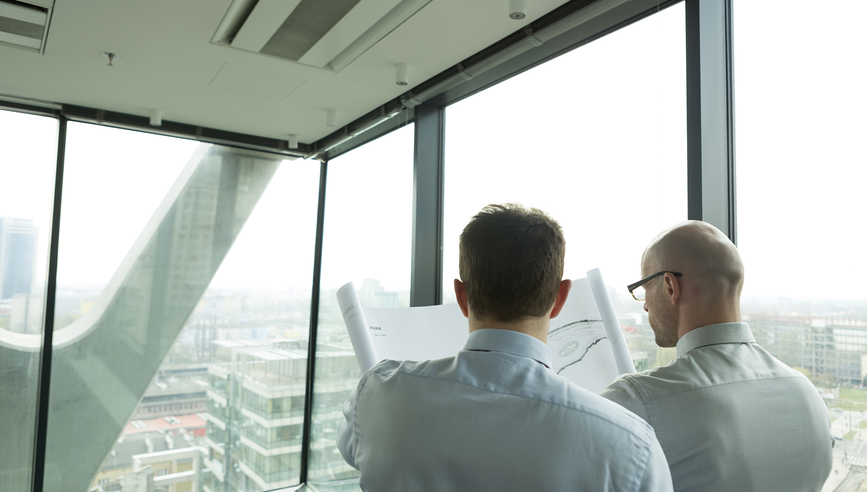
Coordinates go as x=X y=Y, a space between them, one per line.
x=168 y=63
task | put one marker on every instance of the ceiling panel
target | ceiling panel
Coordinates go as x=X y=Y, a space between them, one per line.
x=167 y=62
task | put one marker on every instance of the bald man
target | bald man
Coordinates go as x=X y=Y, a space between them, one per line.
x=729 y=416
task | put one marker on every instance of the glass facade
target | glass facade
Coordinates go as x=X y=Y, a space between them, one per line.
x=243 y=349
x=159 y=303
x=28 y=154
x=183 y=301
x=597 y=184
x=800 y=179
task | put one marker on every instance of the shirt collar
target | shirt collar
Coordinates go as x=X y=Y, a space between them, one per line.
x=715 y=334
x=509 y=342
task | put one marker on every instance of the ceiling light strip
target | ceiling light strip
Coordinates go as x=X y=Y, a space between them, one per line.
x=305 y=26
x=389 y=22
x=21 y=28
x=23 y=14
x=267 y=16
x=356 y=22
x=17 y=40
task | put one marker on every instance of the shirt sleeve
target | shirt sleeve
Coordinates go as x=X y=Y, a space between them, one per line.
x=623 y=392
x=657 y=476
x=346 y=431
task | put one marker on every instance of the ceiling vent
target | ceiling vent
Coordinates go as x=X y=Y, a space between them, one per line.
x=326 y=34
x=24 y=25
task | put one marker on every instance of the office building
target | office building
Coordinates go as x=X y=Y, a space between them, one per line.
x=17 y=256
x=177 y=391
x=833 y=350
x=256 y=411
x=154 y=455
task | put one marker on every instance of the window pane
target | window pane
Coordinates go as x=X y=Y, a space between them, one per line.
x=801 y=174
x=256 y=314
x=597 y=138
x=189 y=202
x=109 y=195
x=367 y=240
x=28 y=151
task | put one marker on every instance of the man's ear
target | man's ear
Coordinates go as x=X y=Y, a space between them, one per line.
x=461 y=295
x=672 y=288
x=562 y=294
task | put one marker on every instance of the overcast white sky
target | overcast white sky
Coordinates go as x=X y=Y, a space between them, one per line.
x=596 y=137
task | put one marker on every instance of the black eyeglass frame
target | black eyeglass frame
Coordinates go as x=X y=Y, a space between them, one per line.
x=632 y=287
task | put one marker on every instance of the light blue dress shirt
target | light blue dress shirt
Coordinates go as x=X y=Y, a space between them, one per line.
x=493 y=418
x=730 y=416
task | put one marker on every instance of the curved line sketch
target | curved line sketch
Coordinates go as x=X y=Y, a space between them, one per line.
x=554 y=332
x=571 y=342
x=582 y=355
x=568 y=349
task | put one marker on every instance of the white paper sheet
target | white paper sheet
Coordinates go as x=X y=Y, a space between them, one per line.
x=579 y=344
x=417 y=333
x=356 y=325
x=587 y=344
x=612 y=326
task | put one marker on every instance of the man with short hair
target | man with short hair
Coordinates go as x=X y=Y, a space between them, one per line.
x=729 y=416
x=495 y=417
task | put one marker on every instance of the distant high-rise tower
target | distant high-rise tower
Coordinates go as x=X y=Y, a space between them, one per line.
x=18 y=239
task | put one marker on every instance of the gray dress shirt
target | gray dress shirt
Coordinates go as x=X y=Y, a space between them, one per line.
x=493 y=418
x=730 y=416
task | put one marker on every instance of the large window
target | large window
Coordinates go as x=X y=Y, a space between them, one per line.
x=27 y=170
x=367 y=240
x=597 y=138
x=800 y=181
x=109 y=195
x=256 y=313
x=182 y=318
x=178 y=308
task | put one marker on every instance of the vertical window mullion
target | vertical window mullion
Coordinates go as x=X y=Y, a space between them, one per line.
x=427 y=205
x=314 y=322
x=38 y=479
x=710 y=114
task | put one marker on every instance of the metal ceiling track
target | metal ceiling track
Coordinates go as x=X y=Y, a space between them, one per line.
x=182 y=130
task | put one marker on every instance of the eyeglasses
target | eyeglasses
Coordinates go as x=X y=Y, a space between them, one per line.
x=637 y=290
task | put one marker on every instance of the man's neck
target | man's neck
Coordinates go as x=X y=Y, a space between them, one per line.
x=536 y=327
x=709 y=315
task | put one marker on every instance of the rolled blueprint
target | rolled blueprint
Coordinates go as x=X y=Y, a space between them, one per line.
x=609 y=319
x=356 y=325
